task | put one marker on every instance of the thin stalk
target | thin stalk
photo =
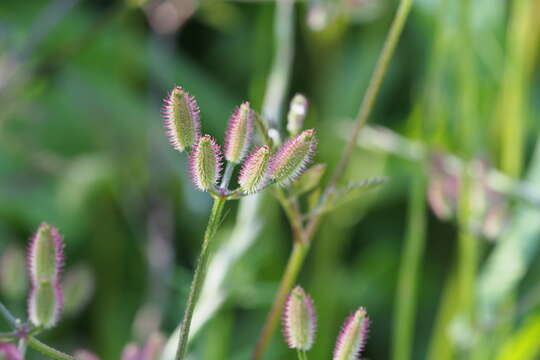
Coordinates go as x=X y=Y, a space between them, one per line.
x=373 y=88
x=200 y=275
x=296 y=258
x=405 y=301
x=47 y=350
x=7 y=315
x=227 y=175
x=289 y=277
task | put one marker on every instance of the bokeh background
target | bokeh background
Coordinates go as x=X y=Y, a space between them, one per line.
x=82 y=146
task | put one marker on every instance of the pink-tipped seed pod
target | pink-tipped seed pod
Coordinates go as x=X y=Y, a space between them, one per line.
x=299 y=320
x=254 y=175
x=353 y=335
x=181 y=119
x=205 y=163
x=239 y=133
x=293 y=157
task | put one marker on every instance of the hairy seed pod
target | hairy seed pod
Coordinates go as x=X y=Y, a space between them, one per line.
x=293 y=157
x=45 y=261
x=45 y=303
x=45 y=255
x=299 y=320
x=353 y=335
x=182 y=119
x=253 y=175
x=239 y=133
x=205 y=163
x=297 y=114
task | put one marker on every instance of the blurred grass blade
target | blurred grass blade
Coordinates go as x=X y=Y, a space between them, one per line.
x=524 y=344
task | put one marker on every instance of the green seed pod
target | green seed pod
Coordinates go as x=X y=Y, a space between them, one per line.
x=205 y=163
x=182 y=119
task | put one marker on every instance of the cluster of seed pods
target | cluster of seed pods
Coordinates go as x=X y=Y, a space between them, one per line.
x=300 y=323
x=260 y=167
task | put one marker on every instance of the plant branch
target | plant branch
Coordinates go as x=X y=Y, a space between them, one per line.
x=300 y=249
x=200 y=275
x=47 y=350
x=289 y=277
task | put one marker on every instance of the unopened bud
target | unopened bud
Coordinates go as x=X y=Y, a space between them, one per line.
x=205 y=163
x=299 y=320
x=239 y=133
x=182 y=119
x=297 y=114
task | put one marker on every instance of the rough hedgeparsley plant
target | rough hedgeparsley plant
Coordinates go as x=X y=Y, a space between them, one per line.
x=261 y=165
x=45 y=300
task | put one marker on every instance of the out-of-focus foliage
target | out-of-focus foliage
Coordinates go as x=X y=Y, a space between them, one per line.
x=82 y=146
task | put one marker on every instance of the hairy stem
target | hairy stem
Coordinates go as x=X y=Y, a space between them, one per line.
x=47 y=350
x=200 y=274
x=32 y=341
x=289 y=277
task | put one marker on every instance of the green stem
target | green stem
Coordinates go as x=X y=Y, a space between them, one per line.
x=374 y=87
x=7 y=315
x=32 y=341
x=405 y=301
x=47 y=350
x=289 y=277
x=200 y=274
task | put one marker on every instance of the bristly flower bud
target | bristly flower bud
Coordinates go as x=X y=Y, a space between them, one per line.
x=299 y=320
x=45 y=261
x=182 y=119
x=205 y=163
x=297 y=114
x=239 y=133
x=353 y=335
x=253 y=175
x=293 y=157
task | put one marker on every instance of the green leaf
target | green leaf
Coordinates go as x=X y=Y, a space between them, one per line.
x=349 y=192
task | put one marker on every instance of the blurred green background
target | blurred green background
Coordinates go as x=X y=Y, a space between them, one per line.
x=82 y=146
